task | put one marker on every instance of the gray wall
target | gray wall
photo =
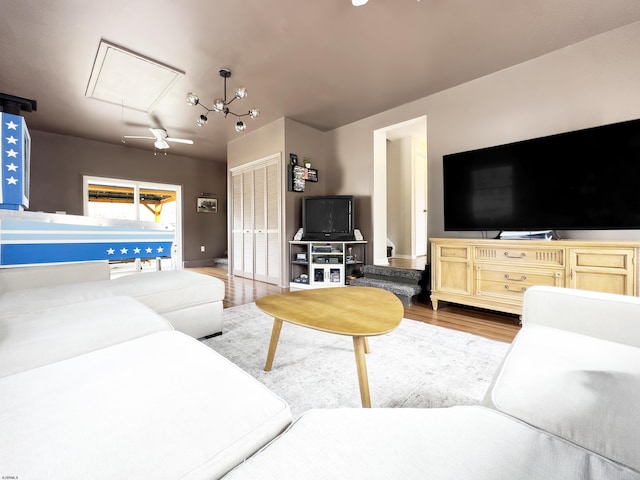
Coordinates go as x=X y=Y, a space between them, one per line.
x=58 y=163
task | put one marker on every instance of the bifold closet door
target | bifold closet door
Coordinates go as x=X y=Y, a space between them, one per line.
x=256 y=222
x=242 y=229
x=266 y=231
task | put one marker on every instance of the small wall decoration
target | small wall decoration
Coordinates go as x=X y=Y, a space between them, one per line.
x=296 y=178
x=207 y=205
x=298 y=175
x=311 y=175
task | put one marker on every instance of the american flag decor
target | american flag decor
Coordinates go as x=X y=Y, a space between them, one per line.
x=15 y=144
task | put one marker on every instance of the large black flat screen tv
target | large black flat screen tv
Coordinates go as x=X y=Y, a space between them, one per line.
x=586 y=179
x=327 y=217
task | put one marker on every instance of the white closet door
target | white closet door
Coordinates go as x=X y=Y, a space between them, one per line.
x=236 y=225
x=260 y=225
x=247 y=224
x=273 y=222
x=256 y=224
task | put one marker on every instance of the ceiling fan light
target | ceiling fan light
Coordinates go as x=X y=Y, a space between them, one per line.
x=201 y=121
x=240 y=126
x=241 y=92
x=358 y=3
x=254 y=113
x=192 y=99
x=218 y=105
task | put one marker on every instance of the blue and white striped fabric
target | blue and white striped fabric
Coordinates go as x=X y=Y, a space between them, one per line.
x=29 y=242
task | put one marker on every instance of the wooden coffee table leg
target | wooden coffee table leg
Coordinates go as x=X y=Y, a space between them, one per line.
x=275 y=335
x=360 y=347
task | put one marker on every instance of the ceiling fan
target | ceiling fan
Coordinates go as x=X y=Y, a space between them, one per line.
x=161 y=138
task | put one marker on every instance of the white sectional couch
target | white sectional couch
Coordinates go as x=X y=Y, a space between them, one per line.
x=565 y=404
x=104 y=387
x=191 y=302
x=100 y=386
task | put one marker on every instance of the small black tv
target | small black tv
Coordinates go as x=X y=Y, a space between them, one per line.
x=582 y=180
x=327 y=217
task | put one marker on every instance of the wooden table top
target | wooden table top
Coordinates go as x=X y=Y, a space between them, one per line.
x=353 y=311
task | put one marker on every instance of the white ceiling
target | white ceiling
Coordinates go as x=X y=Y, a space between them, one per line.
x=324 y=63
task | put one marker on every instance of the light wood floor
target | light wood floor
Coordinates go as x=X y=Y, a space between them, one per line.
x=493 y=325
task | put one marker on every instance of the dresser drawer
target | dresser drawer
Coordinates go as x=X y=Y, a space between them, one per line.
x=510 y=284
x=520 y=255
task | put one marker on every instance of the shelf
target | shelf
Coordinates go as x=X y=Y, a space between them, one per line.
x=329 y=262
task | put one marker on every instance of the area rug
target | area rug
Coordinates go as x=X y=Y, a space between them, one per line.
x=416 y=365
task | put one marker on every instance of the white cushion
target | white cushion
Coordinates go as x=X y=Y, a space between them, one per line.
x=580 y=388
x=45 y=336
x=169 y=290
x=163 y=406
x=18 y=302
x=418 y=444
x=602 y=315
x=35 y=276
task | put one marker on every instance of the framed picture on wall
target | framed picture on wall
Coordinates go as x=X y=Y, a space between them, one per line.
x=207 y=205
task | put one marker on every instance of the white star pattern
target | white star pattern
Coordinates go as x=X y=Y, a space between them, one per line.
x=12 y=140
x=135 y=251
x=12 y=153
x=12 y=167
x=12 y=126
x=12 y=180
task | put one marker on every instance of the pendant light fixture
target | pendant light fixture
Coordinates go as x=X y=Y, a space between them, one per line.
x=221 y=105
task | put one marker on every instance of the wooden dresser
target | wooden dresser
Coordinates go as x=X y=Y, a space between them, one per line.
x=494 y=274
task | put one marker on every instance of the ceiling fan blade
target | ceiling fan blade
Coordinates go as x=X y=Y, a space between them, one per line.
x=179 y=140
x=138 y=136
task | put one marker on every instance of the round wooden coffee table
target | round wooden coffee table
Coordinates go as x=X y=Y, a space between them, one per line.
x=358 y=312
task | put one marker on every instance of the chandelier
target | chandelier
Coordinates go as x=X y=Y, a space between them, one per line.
x=221 y=105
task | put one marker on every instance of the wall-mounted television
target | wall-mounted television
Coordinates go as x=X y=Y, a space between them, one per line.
x=328 y=217
x=585 y=179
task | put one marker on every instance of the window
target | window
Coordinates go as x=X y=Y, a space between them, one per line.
x=138 y=201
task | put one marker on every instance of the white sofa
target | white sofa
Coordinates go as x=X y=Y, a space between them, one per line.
x=565 y=404
x=100 y=386
x=191 y=302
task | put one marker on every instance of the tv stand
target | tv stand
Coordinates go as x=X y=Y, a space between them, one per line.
x=324 y=263
x=494 y=274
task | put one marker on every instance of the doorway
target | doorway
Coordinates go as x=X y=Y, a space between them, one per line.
x=400 y=191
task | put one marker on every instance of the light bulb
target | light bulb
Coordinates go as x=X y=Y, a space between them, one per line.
x=240 y=126
x=241 y=92
x=218 y=105
x=254 y=113
x=201 y=121
x=358 y=3
x=192 y=99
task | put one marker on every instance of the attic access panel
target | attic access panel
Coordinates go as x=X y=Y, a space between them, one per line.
x=125 y=78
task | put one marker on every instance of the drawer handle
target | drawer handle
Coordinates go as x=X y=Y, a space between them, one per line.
x=516 y=290
x=521 y=279
x=522 y=255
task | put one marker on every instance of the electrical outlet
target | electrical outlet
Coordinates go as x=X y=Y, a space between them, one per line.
x=202 y=248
